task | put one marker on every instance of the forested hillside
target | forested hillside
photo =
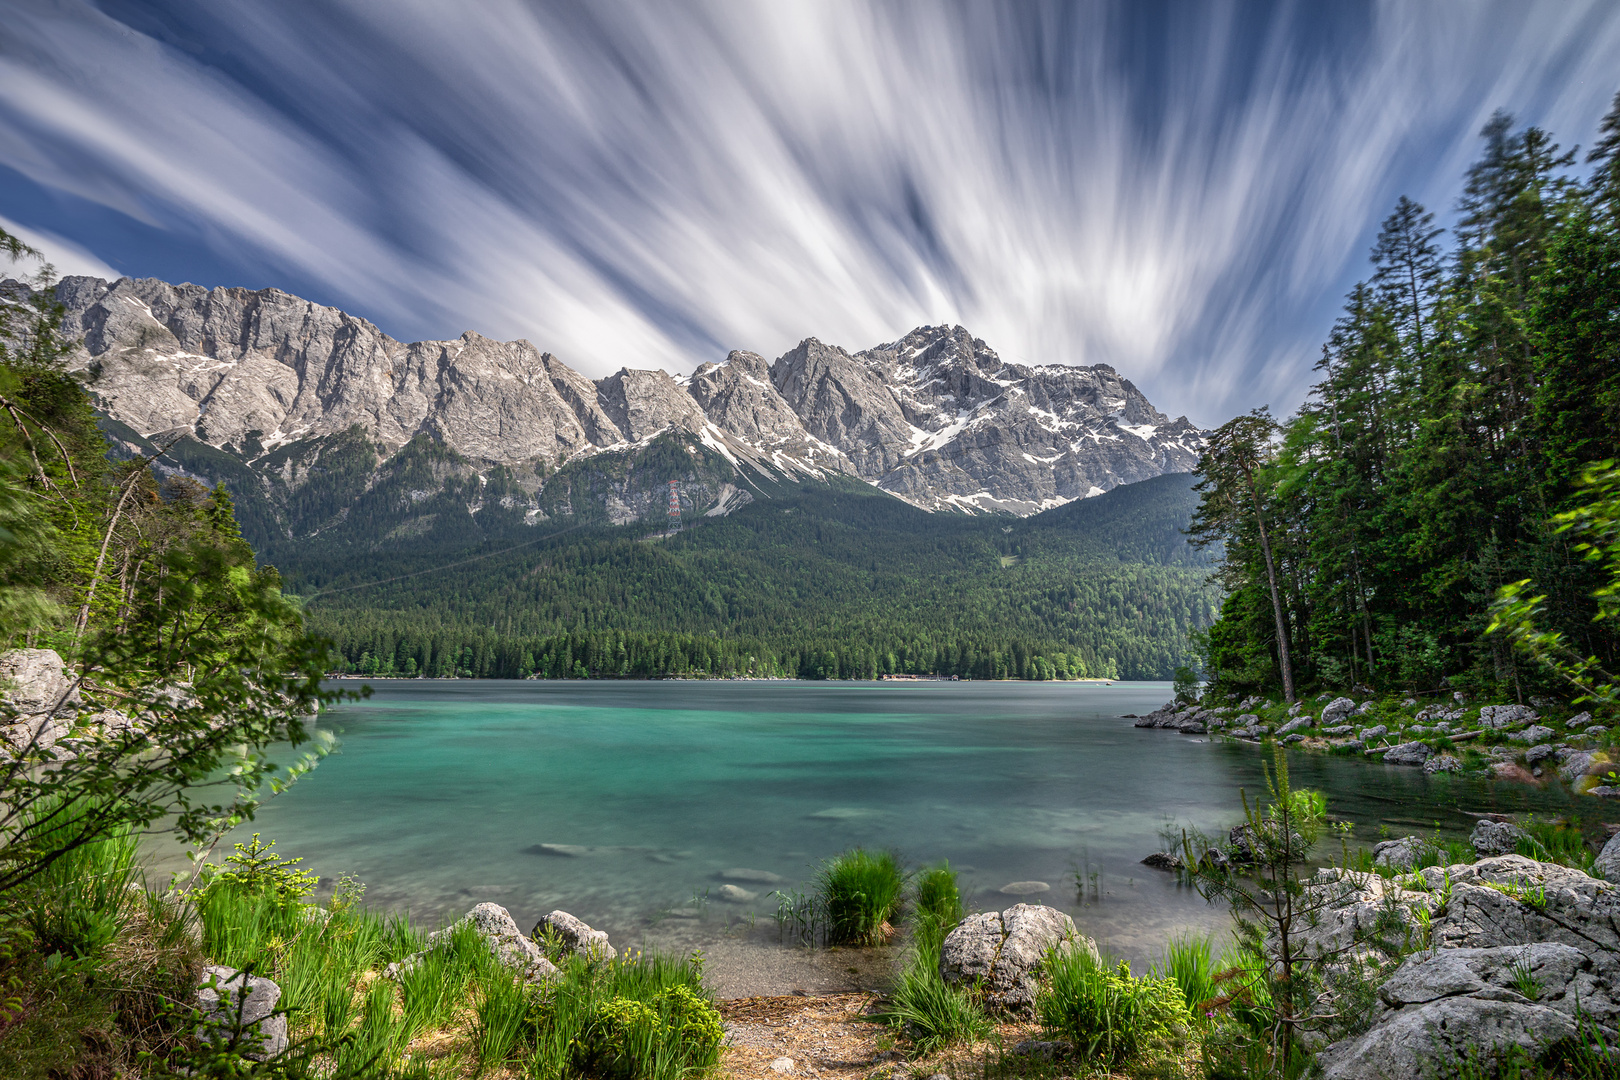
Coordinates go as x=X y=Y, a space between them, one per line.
x=817 y=581
x=1469 y=385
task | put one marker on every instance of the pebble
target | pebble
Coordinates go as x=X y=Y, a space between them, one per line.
x=736 y=894
x=782 y=1065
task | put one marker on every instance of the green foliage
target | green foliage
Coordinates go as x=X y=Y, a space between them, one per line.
x=860 y=892
x=1461 y=398
x=936 y=906
x=1108 y=1016
x=85 y=899
x=1557 y=841
x=930 y=1013
x=254 y=869
x=641 y=1017
x=1190 y=962
x=821 y=581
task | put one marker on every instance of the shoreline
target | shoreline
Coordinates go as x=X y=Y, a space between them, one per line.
x=1531 y=744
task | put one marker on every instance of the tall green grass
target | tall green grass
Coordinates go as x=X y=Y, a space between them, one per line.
x=936 y=905
x=1189 y=961
x=860 y=892
x=85 y=899
x=1110 y=1018
x=641 y=1017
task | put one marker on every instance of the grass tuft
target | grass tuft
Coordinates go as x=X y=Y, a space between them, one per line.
x=860 y=892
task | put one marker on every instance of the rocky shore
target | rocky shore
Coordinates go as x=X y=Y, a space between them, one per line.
x=1526 y=743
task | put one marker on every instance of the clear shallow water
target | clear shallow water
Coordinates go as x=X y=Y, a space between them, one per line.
x=443 y=793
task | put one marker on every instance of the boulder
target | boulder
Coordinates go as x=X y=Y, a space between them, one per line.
x=1439 y=1007
x=1539 y=753
x=1579 y=720
x=1192 y=726
x=38 y=699
x=1596 y=731
x=1154 y=718
x=1349 y=908
x=1163 y=860
x=1340 y=729
x=1495 y=838
x=1607 y=865
x=1535 y=733
x=1246 y=720
x=1336 y=710
x=574 y=934
x=1399 y=854
x=1369 y=734
x=496 y=926
x=1443 y=763
x=1501 y=716
x=736 y=894
x=999 y=954
x=1573 y=764
x=1554 y=903
x=233 y=1001
x=1410 y=753
x=1294 y=725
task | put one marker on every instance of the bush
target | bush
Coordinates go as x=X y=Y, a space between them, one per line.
x=860 y=893
x=638 y=1017
x=1109 y=1017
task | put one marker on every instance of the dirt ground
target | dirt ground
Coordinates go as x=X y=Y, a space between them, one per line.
x=835 y=1037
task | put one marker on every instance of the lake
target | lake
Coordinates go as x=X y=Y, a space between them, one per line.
x=627 y=803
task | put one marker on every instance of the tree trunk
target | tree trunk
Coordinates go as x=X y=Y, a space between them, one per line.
x=1276 y=598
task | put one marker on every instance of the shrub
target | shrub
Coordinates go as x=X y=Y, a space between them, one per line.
x=639 y=1017
x=860 y=893
x=1108 y=1016
x=254 y=869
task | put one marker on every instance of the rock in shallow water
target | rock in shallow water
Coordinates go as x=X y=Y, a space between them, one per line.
x=1024 y=888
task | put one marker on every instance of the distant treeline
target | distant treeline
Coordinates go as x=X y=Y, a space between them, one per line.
x=818 y=582
x=635 y=655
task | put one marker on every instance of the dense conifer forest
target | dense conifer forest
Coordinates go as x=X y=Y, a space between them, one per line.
x=817 y=581
x=1468 y=392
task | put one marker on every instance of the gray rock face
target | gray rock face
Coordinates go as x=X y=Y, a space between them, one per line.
x=1607 y=865
x=496 y=926
x=1399 y=854
x=1410 y=753
x=1494 y=838
x=1501 y=716
x=1508 y=964
x=1539 y=753
x=1001 y=952
x=230 y=1001
x=1438 y=1007
x=1336 y=710
x=935 y=418
x=1369 y=734
x=580 y=939
x=38 y=699
x=1448 y=763
x=1533 y=734
x=1578 y=721
x=1294 y=725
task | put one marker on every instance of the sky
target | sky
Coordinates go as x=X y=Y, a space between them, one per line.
x=1183 y=190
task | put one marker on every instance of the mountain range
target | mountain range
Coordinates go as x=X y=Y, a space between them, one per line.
x=304 y=409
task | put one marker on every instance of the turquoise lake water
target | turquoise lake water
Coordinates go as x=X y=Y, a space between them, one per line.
x=443 y=794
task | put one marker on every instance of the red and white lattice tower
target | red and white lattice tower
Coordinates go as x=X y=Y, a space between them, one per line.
x=674 y=508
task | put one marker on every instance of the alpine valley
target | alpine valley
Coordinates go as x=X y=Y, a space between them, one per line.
x=920 y=506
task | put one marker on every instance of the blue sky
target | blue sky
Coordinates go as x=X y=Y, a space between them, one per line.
x=1183 y=190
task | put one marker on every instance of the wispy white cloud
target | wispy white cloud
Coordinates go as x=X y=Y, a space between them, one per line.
x=60 y=253
x=651 y=184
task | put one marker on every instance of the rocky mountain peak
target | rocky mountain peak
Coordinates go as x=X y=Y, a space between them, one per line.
x=936 y=417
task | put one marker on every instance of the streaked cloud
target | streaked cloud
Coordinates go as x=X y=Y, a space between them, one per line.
x=1181 y=191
